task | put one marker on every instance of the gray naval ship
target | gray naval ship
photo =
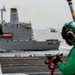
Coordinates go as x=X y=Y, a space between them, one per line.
x=15 y=35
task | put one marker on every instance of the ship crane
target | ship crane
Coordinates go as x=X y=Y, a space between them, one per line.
x=2 y=9
x=53 y=30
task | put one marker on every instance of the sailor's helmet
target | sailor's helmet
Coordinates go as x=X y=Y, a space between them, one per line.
x=68 y=32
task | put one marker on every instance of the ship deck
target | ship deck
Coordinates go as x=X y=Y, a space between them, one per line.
x=26 y=66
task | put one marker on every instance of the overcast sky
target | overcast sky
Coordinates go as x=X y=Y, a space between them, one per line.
x=42 y=13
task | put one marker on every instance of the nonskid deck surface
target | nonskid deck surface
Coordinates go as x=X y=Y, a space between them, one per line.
x=56 y=73
x=26 y=66
x=33 y=70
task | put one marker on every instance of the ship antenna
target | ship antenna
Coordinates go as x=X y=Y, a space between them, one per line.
x=71 y=9
x=2 y=9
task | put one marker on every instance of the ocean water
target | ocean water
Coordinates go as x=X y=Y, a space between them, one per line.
x=41 y=35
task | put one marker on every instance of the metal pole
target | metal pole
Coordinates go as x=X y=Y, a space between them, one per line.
x=71 y=8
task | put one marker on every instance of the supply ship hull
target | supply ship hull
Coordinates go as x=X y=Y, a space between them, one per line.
x=16 y=35
x=29 y=45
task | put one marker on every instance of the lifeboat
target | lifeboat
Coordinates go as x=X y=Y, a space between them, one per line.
x=6 y=35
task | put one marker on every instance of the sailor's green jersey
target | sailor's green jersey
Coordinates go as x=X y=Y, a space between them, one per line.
x=69 y=67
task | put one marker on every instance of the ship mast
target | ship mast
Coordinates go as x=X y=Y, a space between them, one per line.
x=2 y=9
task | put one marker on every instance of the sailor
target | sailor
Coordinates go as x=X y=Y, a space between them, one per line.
x=68 y=33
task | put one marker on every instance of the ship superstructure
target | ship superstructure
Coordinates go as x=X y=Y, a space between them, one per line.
x=16 y=35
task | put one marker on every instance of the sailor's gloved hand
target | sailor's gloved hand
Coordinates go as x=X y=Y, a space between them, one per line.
x=58 y=58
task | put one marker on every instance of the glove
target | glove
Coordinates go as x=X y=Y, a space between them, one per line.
x=57 y=59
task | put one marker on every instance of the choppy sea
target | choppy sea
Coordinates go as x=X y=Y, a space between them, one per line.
x=42 y=34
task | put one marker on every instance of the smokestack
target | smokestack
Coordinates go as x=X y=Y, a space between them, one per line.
x=14 y=16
